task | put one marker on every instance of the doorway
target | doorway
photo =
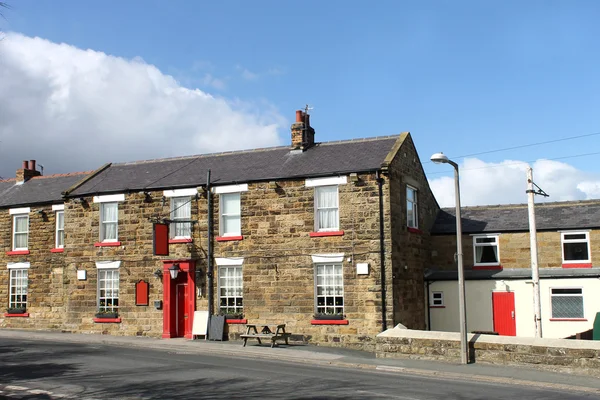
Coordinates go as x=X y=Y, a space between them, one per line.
x=179 y=298
x=503 y=306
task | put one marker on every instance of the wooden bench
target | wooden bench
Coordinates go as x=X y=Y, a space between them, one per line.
x=266 y=333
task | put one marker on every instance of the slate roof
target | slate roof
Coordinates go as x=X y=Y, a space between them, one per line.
x=514 y=218
x=331 y=158
x=517 y=273
x=38 y=190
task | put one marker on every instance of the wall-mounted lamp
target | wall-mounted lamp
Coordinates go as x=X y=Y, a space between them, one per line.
x=273 y=185
x=79 y=200
x=198 y=274
x=41 y=212
x=164 y=200
x=158 y=273
x=174 y=271
x=354 y=177
x=147 y=197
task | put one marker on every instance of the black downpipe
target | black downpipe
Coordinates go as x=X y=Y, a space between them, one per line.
x=209 y=261
x=382 y=253
x=428 y=308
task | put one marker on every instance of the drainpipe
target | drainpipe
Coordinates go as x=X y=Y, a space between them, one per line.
x=382 y=253
x=428 y=283
x=209 y=263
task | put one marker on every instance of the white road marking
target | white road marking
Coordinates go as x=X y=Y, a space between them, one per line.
x=389 y=396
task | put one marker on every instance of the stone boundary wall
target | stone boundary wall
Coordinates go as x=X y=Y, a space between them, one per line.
x=560 y=355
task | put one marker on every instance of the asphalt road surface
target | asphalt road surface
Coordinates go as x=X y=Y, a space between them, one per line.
x=57 y=370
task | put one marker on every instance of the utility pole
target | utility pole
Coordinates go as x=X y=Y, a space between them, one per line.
x=535 y=272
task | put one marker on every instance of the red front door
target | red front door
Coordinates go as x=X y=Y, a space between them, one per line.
x=181 y=314
x=503 y=305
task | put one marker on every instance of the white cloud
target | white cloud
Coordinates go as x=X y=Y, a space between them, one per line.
x=484 y=183
x=74 y=109
x=247 y=74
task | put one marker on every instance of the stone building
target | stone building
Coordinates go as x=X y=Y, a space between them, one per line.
x=497 y=261
x=331 y=239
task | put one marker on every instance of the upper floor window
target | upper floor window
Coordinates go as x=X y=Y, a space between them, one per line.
x=327 y=208
x=486 y=250
x=575 y=247
x=20 y=231
x=230 y=210
x=411 y=207
x=60 y=229
x=181 y=214
x=109 y=222
x=436 y=299
x=567 y=303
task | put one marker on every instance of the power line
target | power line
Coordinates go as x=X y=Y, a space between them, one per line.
x=523 y=146
x=517 y=163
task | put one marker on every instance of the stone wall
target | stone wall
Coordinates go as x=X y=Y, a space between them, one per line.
x=514 y=250
x=579 y=356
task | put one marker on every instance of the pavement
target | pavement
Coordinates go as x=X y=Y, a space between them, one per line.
x=331 y=356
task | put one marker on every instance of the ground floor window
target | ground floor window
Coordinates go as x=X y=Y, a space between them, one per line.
x=329 y=285
x=18 y=289
x=108 y=290
x=437 y=299
x=567 y=303
x=231 y=300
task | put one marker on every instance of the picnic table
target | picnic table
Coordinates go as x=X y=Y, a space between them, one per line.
x=265 y=333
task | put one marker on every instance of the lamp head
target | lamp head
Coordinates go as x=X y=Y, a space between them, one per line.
x=174 y=271
x=439 y=158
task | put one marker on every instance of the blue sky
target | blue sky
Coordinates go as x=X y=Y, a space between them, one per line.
x=462 y=76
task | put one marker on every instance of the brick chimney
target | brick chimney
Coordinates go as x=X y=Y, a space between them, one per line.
x=27 y=172
x=303 y=135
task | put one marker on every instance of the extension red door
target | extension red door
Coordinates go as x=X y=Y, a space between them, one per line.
x=503 y=305
x=181 y=313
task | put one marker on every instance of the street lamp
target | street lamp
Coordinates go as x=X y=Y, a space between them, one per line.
x=440 y=158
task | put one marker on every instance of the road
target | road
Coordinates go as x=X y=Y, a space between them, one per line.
x=51 y=370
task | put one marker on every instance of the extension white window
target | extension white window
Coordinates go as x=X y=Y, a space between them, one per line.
x=109 y=222
x=411 y=207
x=231 y=300
x=18 y=288
x=567 y=303
x=329 y=286
x=181 y=214
x=60 y=229
x=20 y=231
x=486 y=250
x=575 y=247
x=327 y=208
x=108 y=289
x=230 y=206
x=437 y=299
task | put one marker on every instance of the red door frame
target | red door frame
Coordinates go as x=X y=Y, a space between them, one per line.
x=503 y=309
x=187 y=270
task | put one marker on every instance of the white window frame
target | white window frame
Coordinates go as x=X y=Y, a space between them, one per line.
x=436 y=302
x=174 y=224
x=496 y=244
x=103 y=222
x=414 y=207
x=225 y=266
x=222 y=215
x=329 y=282
x=552 y=295
x=317 y=208
x=60 y=231
x=108 y=272
x=586 y=240
x=15 y=233
x=22 y=282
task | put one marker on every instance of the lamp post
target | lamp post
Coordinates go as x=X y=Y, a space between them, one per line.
x=440 y=158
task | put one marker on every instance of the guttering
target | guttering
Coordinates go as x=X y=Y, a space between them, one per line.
x=382 y=252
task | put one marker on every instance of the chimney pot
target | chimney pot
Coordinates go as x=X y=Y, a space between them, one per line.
x=25 y=164
x=299 y=116
x=32 y=165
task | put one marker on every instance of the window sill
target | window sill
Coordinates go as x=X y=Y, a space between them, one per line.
x=327 y=233
x=414 y=230
x=180 y=241
x=236 y=321
x=17 y=253
x=228 y=238
x=329 y=322
x=569 y=319
x=24 y=315
x=576 y=265
x=107 y=320
x=57 y=250
x=487 y=267
x=437 y=306
x=107 y=244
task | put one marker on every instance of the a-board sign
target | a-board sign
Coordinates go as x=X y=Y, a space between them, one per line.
x=200 y=326
x=216 y=326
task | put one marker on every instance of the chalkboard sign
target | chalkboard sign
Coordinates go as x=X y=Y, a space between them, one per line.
x=216 y=326
x=200 y=323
